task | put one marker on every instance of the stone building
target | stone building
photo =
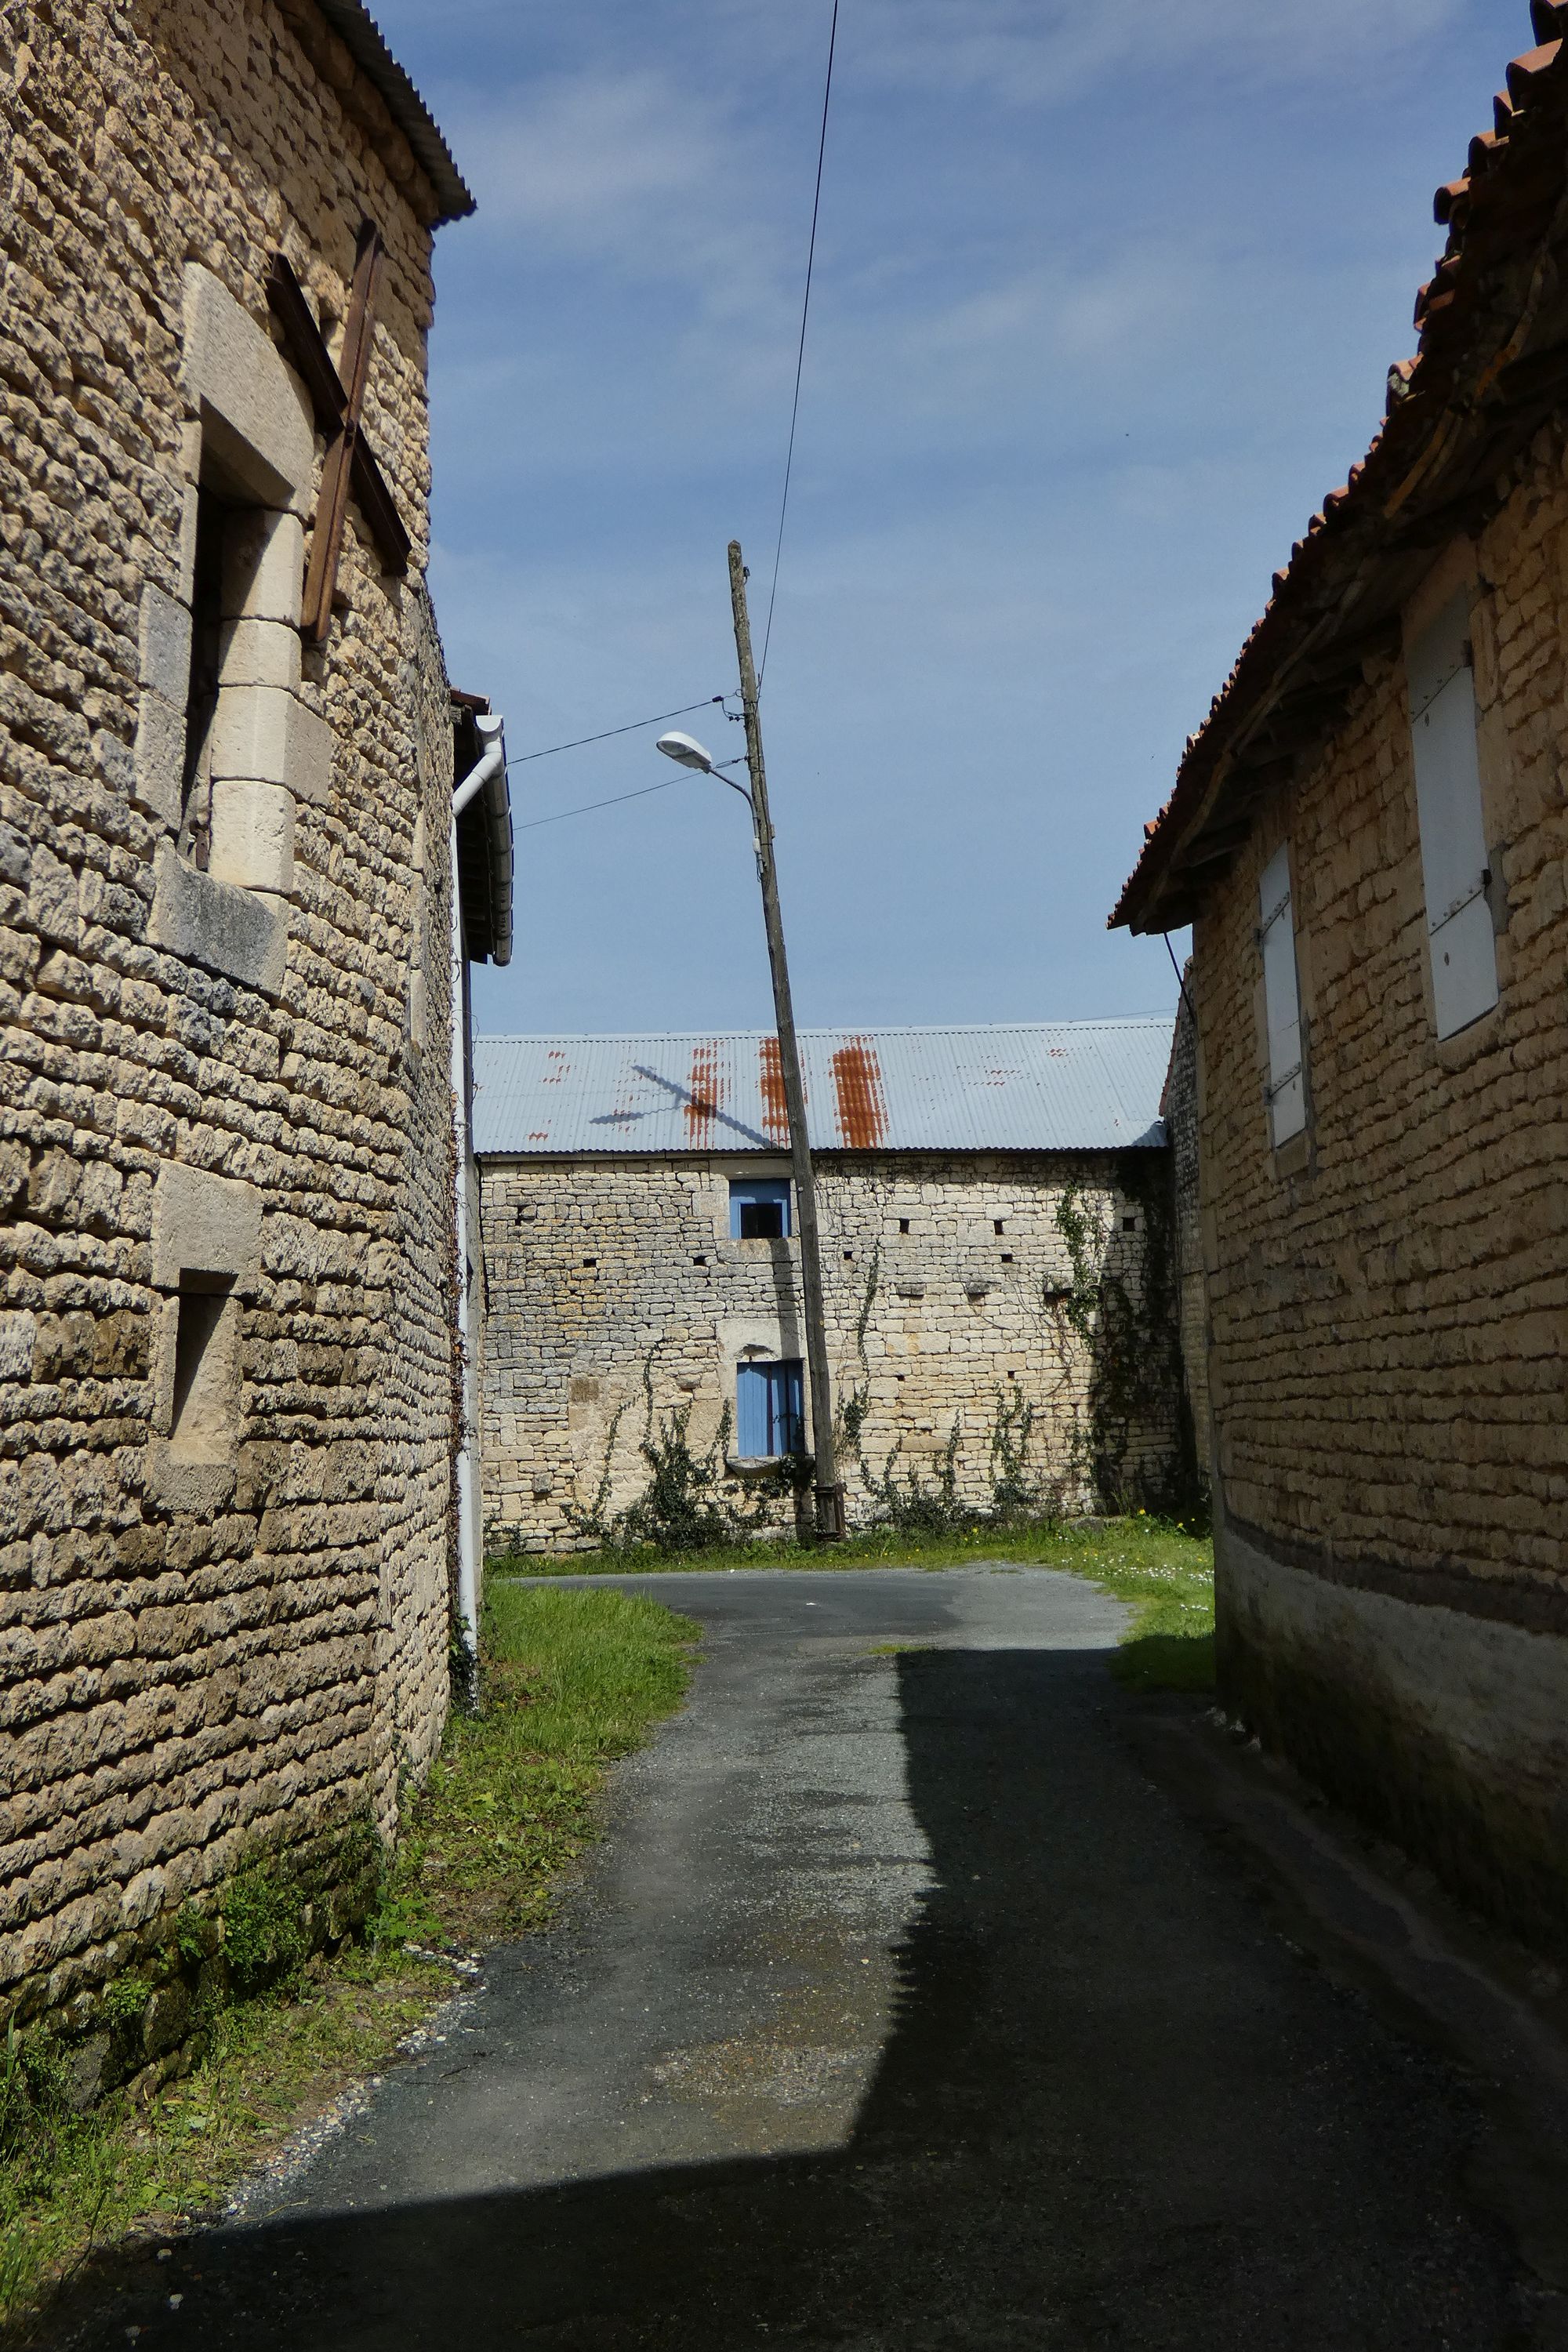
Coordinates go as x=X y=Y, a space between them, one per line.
x=995 y=1209
x=1368 y=834
x=231 y=1402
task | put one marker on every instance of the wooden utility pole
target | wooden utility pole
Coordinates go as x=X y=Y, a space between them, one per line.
x=828 y=1494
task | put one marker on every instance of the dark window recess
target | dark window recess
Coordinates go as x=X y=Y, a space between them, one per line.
x=589 y=1264
x=996 y=1224
x=769 y=1410
x=1006 y=1257
x=903 y=1228
x=212 y=515
x=1129 y=1225
x=848 y=1258
x=200 y=1420
x=759 y=1208
x=699 y=1261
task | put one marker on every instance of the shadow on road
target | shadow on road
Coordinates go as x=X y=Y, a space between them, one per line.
x=1114 y=2110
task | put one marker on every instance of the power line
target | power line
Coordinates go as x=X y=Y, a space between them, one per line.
x=587 y=806
x=577 y=742
x=615 y=798
x=800 y=354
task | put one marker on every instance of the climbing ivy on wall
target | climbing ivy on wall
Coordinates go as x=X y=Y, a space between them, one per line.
x=1126 y=1321
x=691 y=1502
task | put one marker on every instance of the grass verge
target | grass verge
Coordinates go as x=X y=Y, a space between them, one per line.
x=1165 y=1569
x=573 y=1679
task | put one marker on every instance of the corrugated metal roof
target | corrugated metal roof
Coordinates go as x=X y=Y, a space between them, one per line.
x=364 y=38
x=1044 y=1086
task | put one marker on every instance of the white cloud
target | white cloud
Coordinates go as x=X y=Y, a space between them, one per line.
x=1051 y=51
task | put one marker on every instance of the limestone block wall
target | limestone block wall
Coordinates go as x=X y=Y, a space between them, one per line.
x=616 y=1300
x=1389 y=1300
x=225 y=1151
x=1181 y=1111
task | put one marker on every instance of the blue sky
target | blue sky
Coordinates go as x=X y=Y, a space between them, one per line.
x=1105 y=297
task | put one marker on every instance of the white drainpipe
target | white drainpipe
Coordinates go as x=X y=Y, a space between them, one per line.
x=487 y=765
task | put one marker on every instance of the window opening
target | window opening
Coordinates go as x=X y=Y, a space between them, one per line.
x=770 y=1419
x=202 y=1419
x=1129 y=1225
x=206 y=655
x=759 y=1208
x=1285 y=1091
x=1460 y=938
x=997 y=1225
x=1006 y=1257
x=903 y=1225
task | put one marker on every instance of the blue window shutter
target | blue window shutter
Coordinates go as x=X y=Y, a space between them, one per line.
x=754 y=1192
x=791 y=1412
x=752 y=1396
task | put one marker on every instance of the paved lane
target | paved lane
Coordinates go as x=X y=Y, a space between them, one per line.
x=898 y=2010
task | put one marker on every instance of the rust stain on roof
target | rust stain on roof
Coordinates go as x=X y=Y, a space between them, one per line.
x=705 y=1097
x=769 y=1072
x=857 y=1085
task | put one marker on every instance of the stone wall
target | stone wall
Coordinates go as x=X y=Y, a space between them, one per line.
x=225 y=1153
x=1181 y=1110
x=1388 y=1295
x=976 y=1304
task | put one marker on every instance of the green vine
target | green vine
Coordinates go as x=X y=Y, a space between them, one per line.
x=862 y=1321
x=1015 y=1493
x=592 y=1519
x=689 y=1502
x=1129 y=1330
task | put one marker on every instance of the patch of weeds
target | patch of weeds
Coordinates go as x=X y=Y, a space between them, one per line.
x=572 y=1680
x=264 y=1936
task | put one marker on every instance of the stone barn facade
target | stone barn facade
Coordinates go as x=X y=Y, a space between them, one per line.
x=228 y=1156
x=1369 y=836
x=994 y=1207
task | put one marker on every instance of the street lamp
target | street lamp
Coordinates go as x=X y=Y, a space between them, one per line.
x=689 y=753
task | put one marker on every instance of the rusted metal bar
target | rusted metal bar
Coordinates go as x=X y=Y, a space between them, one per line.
x=337 y=467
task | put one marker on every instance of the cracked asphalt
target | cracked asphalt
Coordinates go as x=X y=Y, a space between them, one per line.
x=900 y=2009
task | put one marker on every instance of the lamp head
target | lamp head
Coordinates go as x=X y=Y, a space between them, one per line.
x=686 y=750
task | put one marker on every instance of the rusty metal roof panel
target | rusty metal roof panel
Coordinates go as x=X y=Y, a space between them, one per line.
x=1044 y=1086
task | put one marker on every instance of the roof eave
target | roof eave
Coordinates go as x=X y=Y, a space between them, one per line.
x=363 y=37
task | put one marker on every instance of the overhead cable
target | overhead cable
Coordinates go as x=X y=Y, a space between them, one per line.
x=577 y=741
x=800 y=354
x=615 y=798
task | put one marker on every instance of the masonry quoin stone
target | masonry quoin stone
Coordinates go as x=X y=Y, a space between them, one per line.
x=232 y=1396
x=1368 y=834
x=995 y=1218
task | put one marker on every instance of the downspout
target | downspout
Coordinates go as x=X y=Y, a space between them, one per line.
x=489 y=764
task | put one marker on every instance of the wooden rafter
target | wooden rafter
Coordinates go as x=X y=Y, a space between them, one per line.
x=338 y=399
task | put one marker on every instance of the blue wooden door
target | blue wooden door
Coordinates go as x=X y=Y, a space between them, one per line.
x=769 y=1410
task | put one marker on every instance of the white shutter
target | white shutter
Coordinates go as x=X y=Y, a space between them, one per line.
x=1277 y=934
x=1453 y=834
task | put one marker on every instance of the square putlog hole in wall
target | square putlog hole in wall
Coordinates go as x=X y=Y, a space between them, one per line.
x=203 y=1405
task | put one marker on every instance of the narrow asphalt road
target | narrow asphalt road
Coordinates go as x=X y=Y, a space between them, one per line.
x=898 y=2010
